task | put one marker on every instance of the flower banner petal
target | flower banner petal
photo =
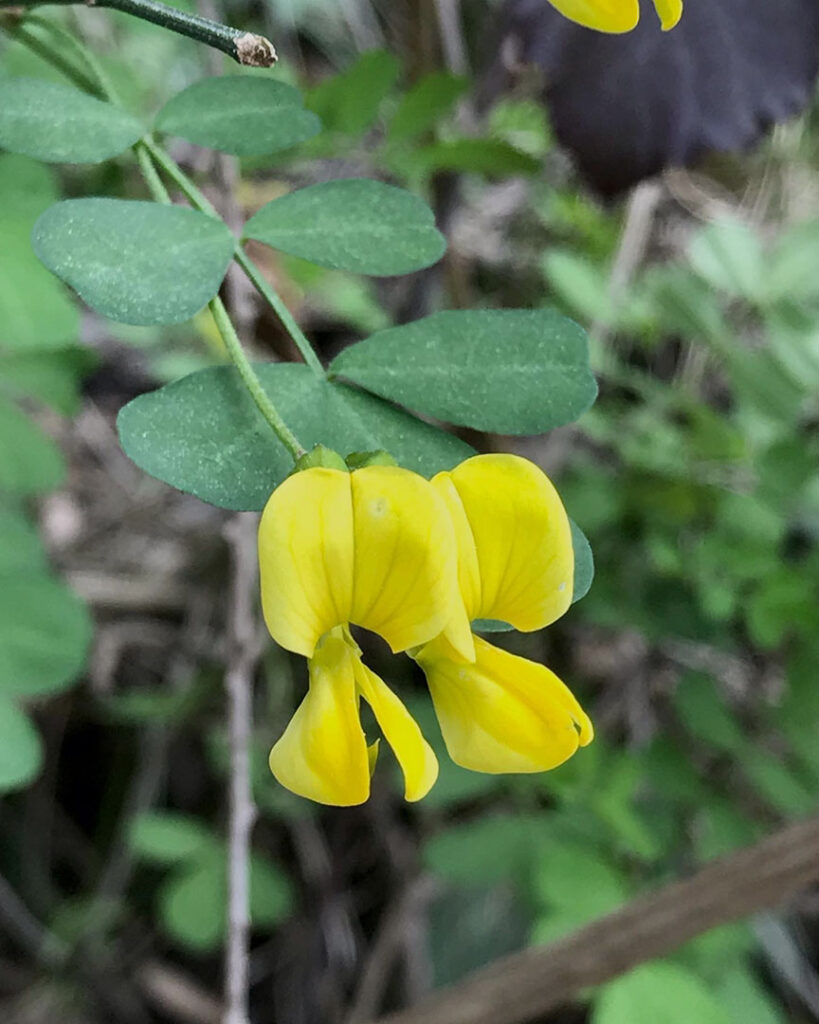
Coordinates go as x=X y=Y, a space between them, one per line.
x=503 y=713
x=522 y=537
x=406 y=583
x=413 y=753
x=323 y=753
x=603 y=15
x=306 y=557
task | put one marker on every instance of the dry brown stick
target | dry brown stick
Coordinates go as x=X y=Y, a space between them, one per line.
x=242 y=657
x=528 y=985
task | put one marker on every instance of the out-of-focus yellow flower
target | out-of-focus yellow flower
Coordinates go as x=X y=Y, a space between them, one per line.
x=375 y=547
x=499 y=712
x=617 y=15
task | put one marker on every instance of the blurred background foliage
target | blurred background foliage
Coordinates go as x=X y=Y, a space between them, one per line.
x=695 y=476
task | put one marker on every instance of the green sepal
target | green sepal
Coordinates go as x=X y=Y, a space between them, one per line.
x=320 y=456
x=357 y=460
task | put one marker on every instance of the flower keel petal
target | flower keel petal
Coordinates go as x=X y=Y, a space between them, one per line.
x=414 y=754
x=503 y=713
x=603 y=15
x=323 y=753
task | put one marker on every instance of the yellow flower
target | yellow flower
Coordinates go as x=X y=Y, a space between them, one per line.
x=617 y=15
x=416 y=561
x=499 y=712
x=375 y=547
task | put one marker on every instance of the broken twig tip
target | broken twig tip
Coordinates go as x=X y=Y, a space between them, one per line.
x=255 y=51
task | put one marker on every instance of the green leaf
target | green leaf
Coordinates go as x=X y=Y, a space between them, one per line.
x=506 y=371
x=60 y=124
x=240 y=115
x=30 y=462
x=485 y=851
x=425 y=104
x=204 y=435
x=728 y=255
x=36 y=313
x=44 y=635
x=747 y=1000
x=350 y=102
x=53 y=377
x=21 y=749
x=20 y=547
x=193 y=901
x=166 y=837
x=138 y=262
x=577 y=885
x=704 y=714
x=658 y=993
x=780 y=787
x=583 y=563
x=490 y=157
x=352 y=224
x=192 y=905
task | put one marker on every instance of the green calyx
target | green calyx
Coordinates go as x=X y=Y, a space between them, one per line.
x=320 y=457
x=357 y=460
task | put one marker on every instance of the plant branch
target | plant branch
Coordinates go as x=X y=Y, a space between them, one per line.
x=530 y=985
x=244 y=47
x=243 y=653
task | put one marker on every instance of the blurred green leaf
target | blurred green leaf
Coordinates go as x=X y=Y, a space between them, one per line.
x=35 y=311
x=21 y=749
x=425 y=104
x=53 y=377
x=747 y=1000
x=583 y=563
x=658 y=993
x=44 y=635
x=508 y=371
x=30 y=462
x=522 y=123
x=167 y=837
x=350 y=102
x=581 y=285
x=239 y=114
x=204 y=435
x=21 y=550
x=778 y=785
x=490 y=157
x=352 y=224
x=574 y=885
x=698 y=703
x=61 y=124
x=193 y=900
x=728 y=255
x=138 y=262
x=485 y=851
x=790 y=265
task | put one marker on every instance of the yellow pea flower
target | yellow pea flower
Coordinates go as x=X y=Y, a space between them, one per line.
x=375 y=547
x=499 y=712
x=617 y=15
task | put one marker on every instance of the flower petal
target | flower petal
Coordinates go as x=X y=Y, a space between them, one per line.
x=669 y=12
x=503 y=713
x=414 y=754
x=323 y=753
x=405 y=572
x=306 y=557
x=522 y=537
x=603 y=15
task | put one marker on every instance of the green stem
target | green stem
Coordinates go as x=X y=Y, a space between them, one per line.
x=201 y=202
x=225 y=325
x=54 y=57
x=282 y=312
x=251 y=381
x=244 y=47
